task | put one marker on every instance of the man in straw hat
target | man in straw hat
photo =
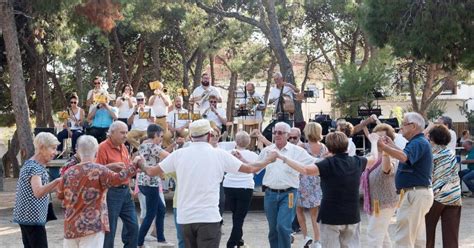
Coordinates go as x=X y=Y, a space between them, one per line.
x=200 y=169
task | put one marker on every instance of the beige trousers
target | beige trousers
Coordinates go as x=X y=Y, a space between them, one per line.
x=340 y=236
x=410 y=228
x=377 y=228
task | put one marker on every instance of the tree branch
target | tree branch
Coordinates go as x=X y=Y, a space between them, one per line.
x=234 y=15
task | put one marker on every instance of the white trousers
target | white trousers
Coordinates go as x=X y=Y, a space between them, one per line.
x=377 y=229
x=89 y=241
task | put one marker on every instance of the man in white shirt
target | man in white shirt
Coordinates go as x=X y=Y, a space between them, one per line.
x=199 y=169
x=178 y=121
x=200 y=95
x=141 y=118
x=160 y=102
x=282 y=183
x=253 y=101
x=276 y=92
x=214 y=113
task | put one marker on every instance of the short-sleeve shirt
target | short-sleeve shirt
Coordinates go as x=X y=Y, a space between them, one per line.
x=28 y=209
x=417 y=170
x=174 y=120
x=279 y=175
x=142 y=124
x=211 y=116
x=84 y=189
x=102 y=118
x=124 y=111
x=199 y=91
x=159 y=106
x=151 y=153
x=275 y=94
x=108 y=153
x=199 y=169
x=340 y=180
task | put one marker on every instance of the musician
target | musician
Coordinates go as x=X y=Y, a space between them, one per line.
x=200 y=96
x=101 y=116
x=214 y=113
x=253 y=101
x=178 y=121
x=126 y=103
x=160 y=102
x=281 y=88
x=141 y=118
x=96 y=91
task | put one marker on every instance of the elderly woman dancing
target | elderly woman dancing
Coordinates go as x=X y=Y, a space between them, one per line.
x=83 y=190
x=33 y=186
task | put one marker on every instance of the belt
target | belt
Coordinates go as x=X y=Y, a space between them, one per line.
x=413 y=188
x=280 y=190
x=160 y=117
x=123 y=186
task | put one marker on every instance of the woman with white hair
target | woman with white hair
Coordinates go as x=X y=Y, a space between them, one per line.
x=33 y=186
x=83 y=191
x=238 y=189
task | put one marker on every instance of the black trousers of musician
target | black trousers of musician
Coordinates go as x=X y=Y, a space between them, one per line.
x=34 y=236
x=99 y=133
x=450 y=220
x=238 y=200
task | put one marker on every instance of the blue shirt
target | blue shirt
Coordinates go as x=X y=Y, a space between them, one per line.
x=28 y=209
x=417 y=170
x=469 y=156
x=103 y=118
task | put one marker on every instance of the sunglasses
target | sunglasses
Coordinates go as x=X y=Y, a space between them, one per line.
x=72 y=102
x=97 y=83
x=293 y=138
x=278 y=132
x=213 y=101
x=140 y=100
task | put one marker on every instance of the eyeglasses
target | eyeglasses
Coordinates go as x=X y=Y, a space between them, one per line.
x=293 y=137
x=140 y=100
x=278 y=132
x=213 y=101
x=96 y=83
x=406 y=123
x=72 y=102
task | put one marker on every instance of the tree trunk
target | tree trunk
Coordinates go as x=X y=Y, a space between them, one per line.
x=121 y=58
x=58 y=89
x=198 y=68
x=155 y=55
x=110 y=70
x=9 y=159
x=17 y=88
x=270 y=72
x=78 y=72
x=213 y=73
x=39 y=100
x=231 y=95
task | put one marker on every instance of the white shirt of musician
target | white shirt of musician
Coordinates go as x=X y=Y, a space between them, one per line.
x=142 y=124
x=211 y=116
x=124 y=110
x=159 y=106
x=258 y=113
x=278 y=175
x=275 y=94
x=198 y=92
x=174 y=115
x=199 y=170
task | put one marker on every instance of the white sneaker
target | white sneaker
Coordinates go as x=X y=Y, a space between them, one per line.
x=316 y=244
x=307 y=242
x=150 y=238
x=292 y=238
x=165 y=244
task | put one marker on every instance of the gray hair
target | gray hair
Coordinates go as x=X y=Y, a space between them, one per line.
x=415 y=118
x=297 y=130
x=45 y=140
x=87 y=146
x=277 y=75
x=242 y=139
x=447 y=121
x=115 y=125
x=284 y=125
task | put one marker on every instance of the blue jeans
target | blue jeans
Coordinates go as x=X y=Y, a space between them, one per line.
x=279 y=217
x=64 y=135
x=120 y=204
x=467 y=175
x=179 y=230
x=155 y=208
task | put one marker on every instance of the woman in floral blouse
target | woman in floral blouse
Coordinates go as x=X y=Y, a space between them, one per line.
x=446 y=190
x=151 y=186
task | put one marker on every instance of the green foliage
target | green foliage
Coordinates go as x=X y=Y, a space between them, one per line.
x=434 y=31
x=357 y=85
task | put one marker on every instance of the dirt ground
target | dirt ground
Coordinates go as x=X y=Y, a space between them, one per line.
x=255 y=227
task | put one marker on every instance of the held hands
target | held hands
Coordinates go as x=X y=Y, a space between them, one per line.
x=139 y=162
x=273 y=155
x=116 y=167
